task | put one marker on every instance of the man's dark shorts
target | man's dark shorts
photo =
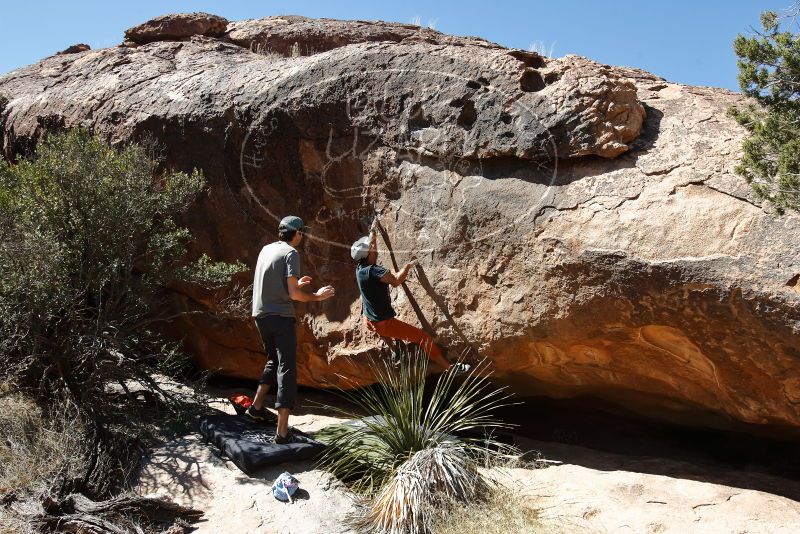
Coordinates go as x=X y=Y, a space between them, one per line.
x=280 y=344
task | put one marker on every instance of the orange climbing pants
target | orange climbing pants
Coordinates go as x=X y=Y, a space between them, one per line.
x=397 y=329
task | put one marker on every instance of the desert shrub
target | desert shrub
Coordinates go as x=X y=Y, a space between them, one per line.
x=415 y=450
x=88 y=242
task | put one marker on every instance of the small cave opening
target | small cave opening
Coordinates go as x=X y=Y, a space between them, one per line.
x=466 y=119
x=417 y=118
x=531 y=81
x=529 y=59
x=551 y=77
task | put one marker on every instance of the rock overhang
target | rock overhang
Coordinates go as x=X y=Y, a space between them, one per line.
x=639 y=261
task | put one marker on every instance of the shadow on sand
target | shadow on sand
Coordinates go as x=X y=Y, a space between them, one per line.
x=585 y=432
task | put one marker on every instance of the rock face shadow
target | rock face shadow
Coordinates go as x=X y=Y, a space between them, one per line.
x=566 y=171
x=423 y=280
x=592 y=434
x=650 y=131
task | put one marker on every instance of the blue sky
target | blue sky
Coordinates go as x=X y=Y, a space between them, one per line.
x=687 y=41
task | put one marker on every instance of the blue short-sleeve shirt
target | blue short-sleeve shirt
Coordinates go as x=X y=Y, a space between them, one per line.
x=375 y=296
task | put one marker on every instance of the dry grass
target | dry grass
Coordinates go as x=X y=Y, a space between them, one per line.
x=504 y=512
x=35 y=452
x=10 y=523
x=50 y=465
x=407 y=502
x=16 y=521
x=263 y=50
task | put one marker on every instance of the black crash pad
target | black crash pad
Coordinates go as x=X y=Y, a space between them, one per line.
x=248 y=443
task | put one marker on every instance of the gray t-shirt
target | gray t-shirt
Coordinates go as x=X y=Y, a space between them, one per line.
x=276 y=262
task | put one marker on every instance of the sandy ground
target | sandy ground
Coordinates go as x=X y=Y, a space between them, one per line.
x=194 y=473
x=589 y=491
x=653 y=495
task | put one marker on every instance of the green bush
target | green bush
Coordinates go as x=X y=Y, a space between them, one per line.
x=769 y=72
x=88 y=241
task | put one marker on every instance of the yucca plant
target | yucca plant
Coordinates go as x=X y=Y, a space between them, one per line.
x=411 y=451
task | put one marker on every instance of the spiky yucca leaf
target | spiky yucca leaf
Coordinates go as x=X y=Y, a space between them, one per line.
x=367 y=454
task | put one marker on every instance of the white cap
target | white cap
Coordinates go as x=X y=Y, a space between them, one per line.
x=360 y=248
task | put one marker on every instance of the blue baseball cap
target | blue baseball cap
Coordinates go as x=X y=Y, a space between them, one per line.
x=292 y=223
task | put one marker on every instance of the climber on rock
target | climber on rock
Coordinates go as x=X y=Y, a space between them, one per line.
x=379 y=316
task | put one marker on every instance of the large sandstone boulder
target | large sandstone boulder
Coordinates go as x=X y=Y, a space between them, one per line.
x=177 y=27
x=284 y=35
x=578 y=224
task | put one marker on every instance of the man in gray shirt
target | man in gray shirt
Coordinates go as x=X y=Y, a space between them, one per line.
x=276 y=285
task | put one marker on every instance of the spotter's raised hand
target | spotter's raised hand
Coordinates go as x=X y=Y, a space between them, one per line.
x=325 y=293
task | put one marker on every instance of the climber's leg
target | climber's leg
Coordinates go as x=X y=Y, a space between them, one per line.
x=396 y=329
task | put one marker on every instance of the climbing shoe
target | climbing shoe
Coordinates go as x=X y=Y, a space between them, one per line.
x=262 y=416
x=284 y=440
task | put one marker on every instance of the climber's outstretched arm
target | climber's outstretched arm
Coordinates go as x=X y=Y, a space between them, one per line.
x=396 y=278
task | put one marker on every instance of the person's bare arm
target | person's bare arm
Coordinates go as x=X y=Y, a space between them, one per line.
x=296 y=292
x=396 y=278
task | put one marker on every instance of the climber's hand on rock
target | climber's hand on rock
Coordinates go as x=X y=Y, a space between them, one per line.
x=304 y=281
x=373 y=230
